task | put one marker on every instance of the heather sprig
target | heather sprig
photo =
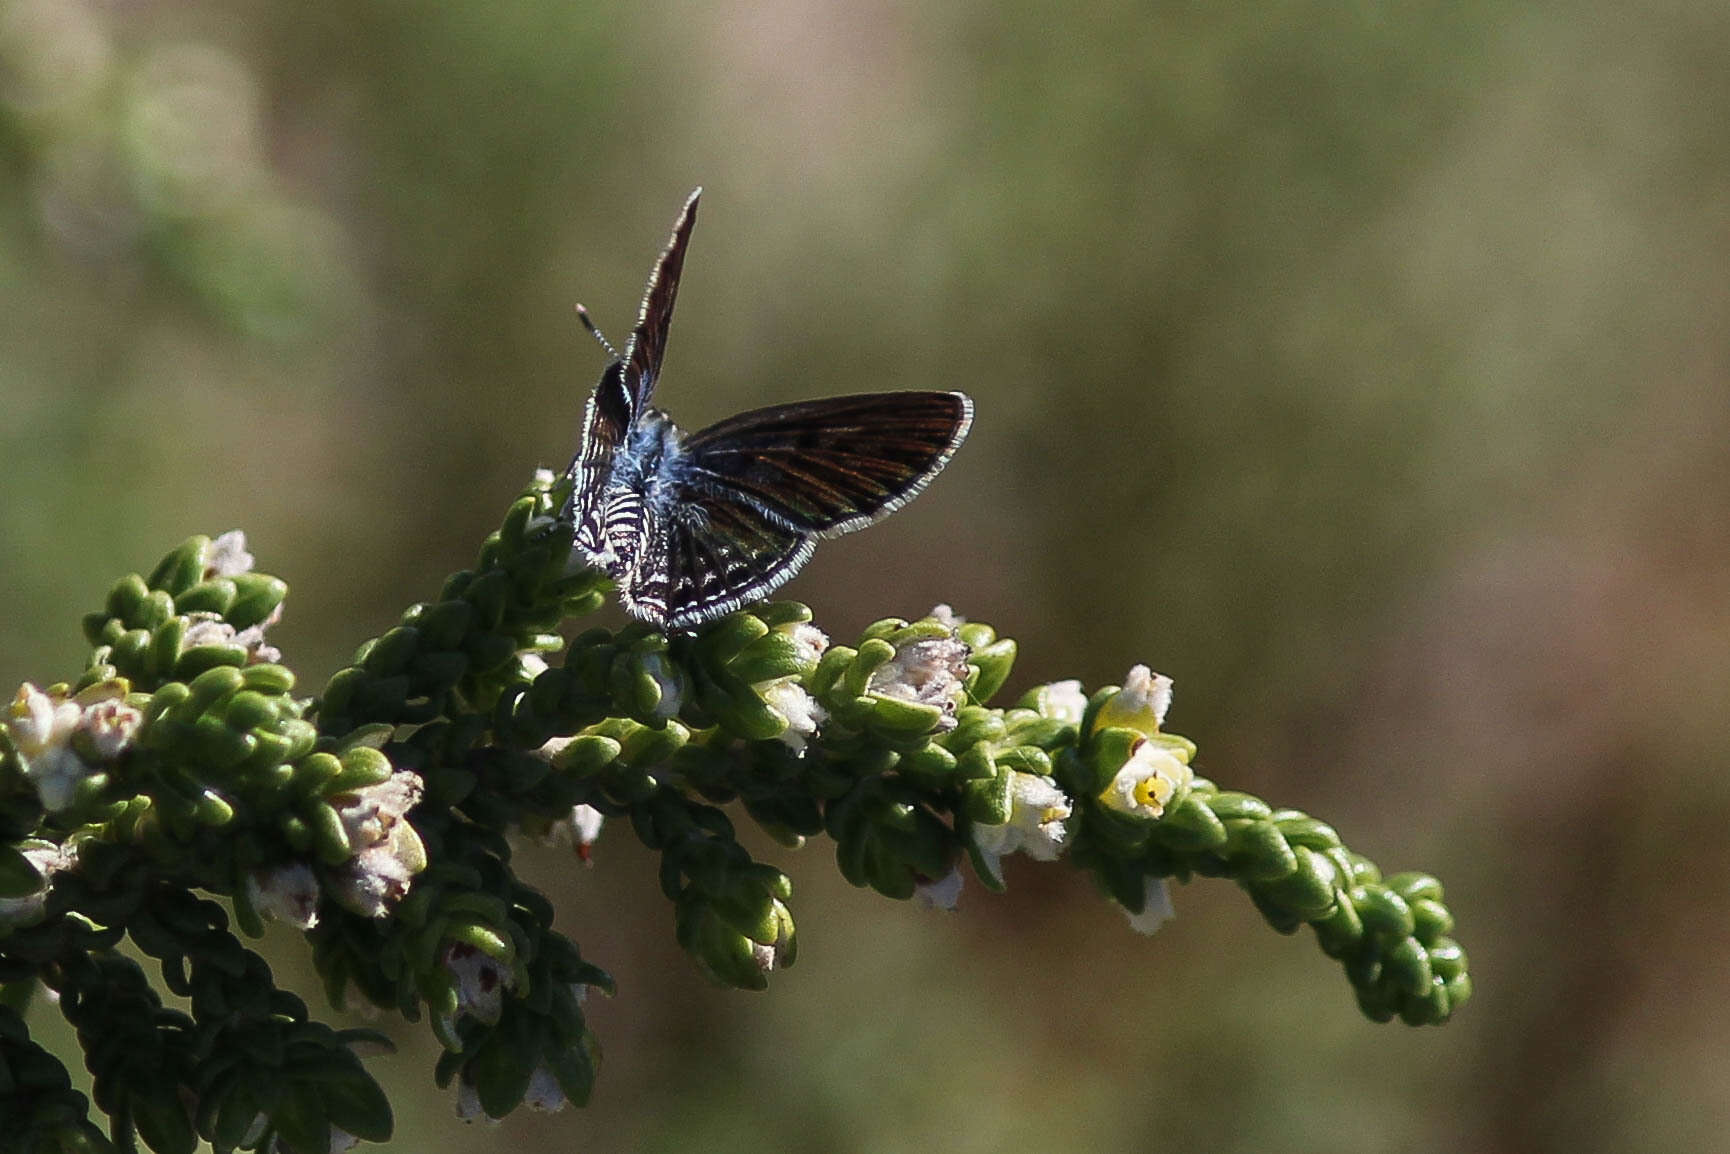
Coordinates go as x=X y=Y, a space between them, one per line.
x=177 y=791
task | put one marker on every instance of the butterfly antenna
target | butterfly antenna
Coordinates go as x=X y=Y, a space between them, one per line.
x=588 y=323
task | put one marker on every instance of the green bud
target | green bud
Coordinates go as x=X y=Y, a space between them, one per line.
x=1385 y=913
x=1259 y=849
x=991 y=664
x=182 y=568
x=213 y=596
x=329 y=836
x=18 y=878
x=362 y=765
x=391 y=653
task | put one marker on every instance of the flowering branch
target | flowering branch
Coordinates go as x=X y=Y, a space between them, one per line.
x=374 y=818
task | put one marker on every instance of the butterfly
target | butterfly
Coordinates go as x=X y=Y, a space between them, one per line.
x=692 y=526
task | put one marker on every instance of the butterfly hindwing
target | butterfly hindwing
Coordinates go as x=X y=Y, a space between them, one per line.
x=834 y=465
x=721 y=552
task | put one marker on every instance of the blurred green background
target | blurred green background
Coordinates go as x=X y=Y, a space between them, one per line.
x=1363 y=367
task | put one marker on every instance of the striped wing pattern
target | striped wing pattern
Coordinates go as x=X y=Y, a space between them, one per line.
x=831 y=466
x=648 y=342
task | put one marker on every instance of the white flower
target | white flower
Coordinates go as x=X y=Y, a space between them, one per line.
x=793 y=703
x=1037 y=812
x=579 y=829
x=929 y=671
x=944 y=615
x=387 y=851
x=49 y=860
x=481 y=982
x=227 y=556
x=111 y=726
x=42 y=725
x=1061 y=701
x=211 y=629
x=288 y=893
x=1145 y=783
x=544 y=1092
x=810 y=641
x=38 y=720
x=1156 y=908
x=942 y=894
x=530 y=665
x=1140 y=705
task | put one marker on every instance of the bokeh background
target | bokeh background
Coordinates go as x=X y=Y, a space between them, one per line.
x=1361 y=366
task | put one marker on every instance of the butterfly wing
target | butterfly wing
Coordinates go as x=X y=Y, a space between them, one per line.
x=715 y=553
x=834 y=465
x=623 y=392
x=648 y=343
x=755 y=493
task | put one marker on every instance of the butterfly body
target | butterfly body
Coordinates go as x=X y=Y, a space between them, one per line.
x=691 y=527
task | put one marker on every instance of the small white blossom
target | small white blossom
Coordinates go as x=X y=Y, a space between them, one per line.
x=530 y=665
x=1061 y=701
x=111 y=726
x=1156 y=909
x=1140 y=705
x=579 y=829
x=942 y=894
x=211 y=629
x=928 y=671
x=49 y=860
x=480 y=981
x=1035 y=827
x=1146 y=783
x=544 y=1092
x=38 y=720
x=288 y=893
x=42 y=725
x=794 y=704
x=810 y=641
x=387 y=851
x=227 y=556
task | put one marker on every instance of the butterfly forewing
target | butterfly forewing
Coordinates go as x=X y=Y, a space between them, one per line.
x=833 y=465
x=648 y=342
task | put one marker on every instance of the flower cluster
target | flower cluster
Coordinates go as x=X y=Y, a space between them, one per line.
x=375 y=819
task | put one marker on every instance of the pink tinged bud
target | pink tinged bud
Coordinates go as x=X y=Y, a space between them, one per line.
x=110 y=725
